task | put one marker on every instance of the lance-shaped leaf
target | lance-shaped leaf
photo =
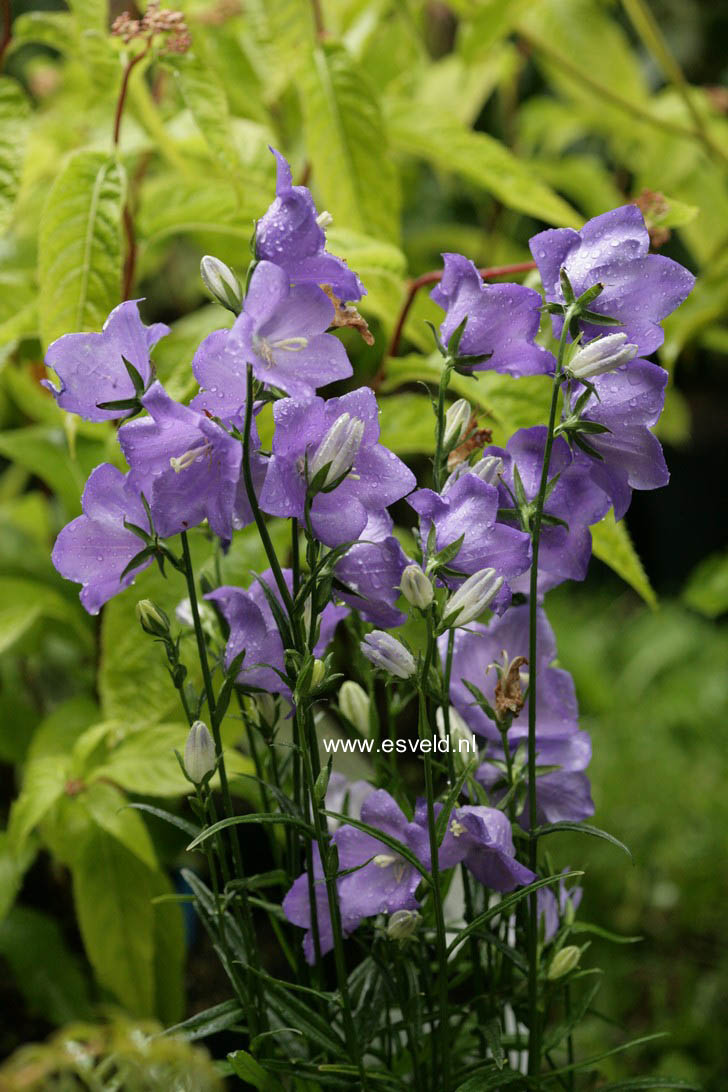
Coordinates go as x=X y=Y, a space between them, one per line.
x=14 y=122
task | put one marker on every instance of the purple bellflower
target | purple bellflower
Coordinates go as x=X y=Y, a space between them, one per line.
x=291 y=235
x=502 y=320
x=576 y=499
x=482 y=839
x=629 y=401
x=187 y=466
x=640 y=289
x=94 y=549
x=372 y=569
x=303 y=431
x=281 y=332
x=469 y=508
x=253 y=628
x=91 y=367
x=552 y=907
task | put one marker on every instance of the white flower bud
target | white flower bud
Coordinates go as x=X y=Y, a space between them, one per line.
x=152 y=618
x=199 y=752
x=389 y=654
x=318 y=674
x=462 y=740
x=603 y=354
x=354 y=704
x=416 y=587
x=221 y=283
x=488 y=469
x=402 y=924
x=472 y=598
x=457 y=419
x=564 y=961
x=338 y=449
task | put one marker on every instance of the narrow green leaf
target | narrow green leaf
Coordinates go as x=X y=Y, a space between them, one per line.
x=583 y=828
x=205 y=97
x=353 y=176
x=209 y=1022
x=634 y=1084
x=80 y=246
x=612 y=544
x=265 y=820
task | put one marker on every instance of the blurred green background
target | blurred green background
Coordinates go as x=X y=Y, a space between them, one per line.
x=422 y=127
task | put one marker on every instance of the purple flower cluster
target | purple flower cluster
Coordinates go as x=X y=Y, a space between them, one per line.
x=379 y=880
x=327 y=469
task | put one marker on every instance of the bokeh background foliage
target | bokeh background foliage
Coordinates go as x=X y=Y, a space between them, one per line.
x=422 y=127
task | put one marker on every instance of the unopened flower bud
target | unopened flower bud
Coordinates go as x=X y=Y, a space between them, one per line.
x=354 y=704
x=564 y=961
x=199 y=752
x=318 y=674
x=338 y=449
x=152 y=618
x=603 y=354
x=472 y=597
x=416 y=587
x=388 y=653
x=402 y=924
x=265 y=709
x=488 y=469
x=457 y=419
x=221 y=283
x=462 y=740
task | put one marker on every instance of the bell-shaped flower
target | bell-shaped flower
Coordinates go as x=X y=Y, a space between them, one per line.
x=281 y=332
x=95 y=549
x=291 y=235
x=469 y=510
x=372 y=569
x=388 y=654
x=187 y=466
x=627 y=403
x=565 y=548
x=502 y=320
x=472 y=597
x=91 y=368
x=600 y=356
x=640 y=289
x=482 y=839
x=377 y=478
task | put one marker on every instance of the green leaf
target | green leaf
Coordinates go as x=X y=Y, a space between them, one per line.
x=13 y=867
x=612 y=544
x=245 y=1066
x=80 y=245
x=50 y=978
x=144 y=761
x=205 y=97
x=583 y=828
x=105 y=805
x=23 y=602
x=477 y=157
x=113 y=892
x=14 y=116
x=174 y=353
x=634 y=1084
x=50 y=28
x=43 y=450
x=707 y=587
x=490 y=1079
x=353 y=176
x=209 y=1022
x=407 y=423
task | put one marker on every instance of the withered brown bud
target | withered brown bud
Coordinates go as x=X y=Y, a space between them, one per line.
x=508 y=692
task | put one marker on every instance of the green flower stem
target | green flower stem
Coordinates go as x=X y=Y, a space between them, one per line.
x=440 y=432
x=255 y=507
x=534 y=1016
x=247 y=918
x=308 y=733
x=425 y=732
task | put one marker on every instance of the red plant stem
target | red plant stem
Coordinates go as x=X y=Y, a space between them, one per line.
x=6 y=31
x=127 y=217
x=131 y=65
x=432 y=278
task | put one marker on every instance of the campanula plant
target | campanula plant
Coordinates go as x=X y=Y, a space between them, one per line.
x=425 y=940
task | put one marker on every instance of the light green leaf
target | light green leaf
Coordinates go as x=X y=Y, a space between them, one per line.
x=50 y=977
x=482 y=160
x=206 y=99
x=80 y=245
x=249 y=1070
x=43 y=450
x=612 y=544
x=407 y=423
x=113 y=892
x=50 y=28
x=13 y=867
x=14 y=119
x=23 y=602
x=707 y=587
x=353 y=175
x=106 y=807
x=144 y=762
